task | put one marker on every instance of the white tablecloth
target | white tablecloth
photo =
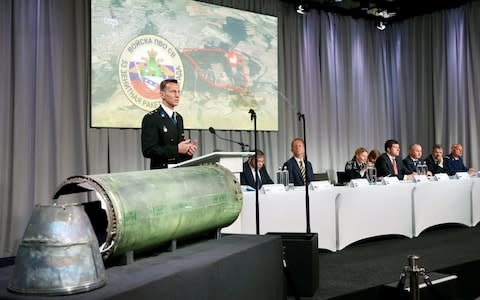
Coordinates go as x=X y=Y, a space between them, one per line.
x=343 y=215
x=370 y=211
x=285 y=212
x=475 y=201
x=444 y=202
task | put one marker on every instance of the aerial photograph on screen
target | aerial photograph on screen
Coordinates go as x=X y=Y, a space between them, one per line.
x=224 y=59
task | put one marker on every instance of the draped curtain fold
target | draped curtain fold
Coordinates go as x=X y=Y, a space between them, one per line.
x=418 y=81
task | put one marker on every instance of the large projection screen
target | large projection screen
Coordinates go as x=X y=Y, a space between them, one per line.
x=225 y=60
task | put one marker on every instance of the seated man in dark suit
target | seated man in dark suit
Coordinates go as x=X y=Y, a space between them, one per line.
x=389 y=164
x=298 y=173
x=436 y=162
x=247 y=177
x=414 y=159
x=455 y=163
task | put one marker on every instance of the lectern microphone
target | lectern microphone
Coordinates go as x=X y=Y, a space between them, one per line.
x=243 y=145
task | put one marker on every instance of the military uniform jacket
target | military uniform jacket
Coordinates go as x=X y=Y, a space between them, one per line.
x=160 y=138
x=353 y=169
x=454 y=165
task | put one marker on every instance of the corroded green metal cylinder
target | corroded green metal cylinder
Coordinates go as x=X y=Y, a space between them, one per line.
x=145 y=209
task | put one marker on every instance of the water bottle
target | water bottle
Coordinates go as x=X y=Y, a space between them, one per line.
x=279 y=175
x=282 y=176
x=424 y=168
x=372 y=174
x=420 y=168
x=285 y=177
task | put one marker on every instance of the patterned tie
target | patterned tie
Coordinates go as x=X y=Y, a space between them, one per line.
x=259 y=184
x=395 y=169
x=302 y=170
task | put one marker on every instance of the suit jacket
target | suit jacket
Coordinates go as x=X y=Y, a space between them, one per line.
x=411 y=165
x=294 y=174
x=247 y=178
x=433 y=166
x=454 y=165
x=160 y=138
x=385 y=167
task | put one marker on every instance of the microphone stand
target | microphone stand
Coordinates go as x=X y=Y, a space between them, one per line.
x=253 y=117
x=242 y=145
x=307 y=196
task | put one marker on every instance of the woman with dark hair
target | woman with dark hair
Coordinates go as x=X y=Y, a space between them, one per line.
x=372 y=157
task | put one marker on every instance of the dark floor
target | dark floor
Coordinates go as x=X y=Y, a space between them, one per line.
x=361 y=270
x=350 y=273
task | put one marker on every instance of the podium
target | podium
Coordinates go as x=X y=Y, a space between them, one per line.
x=232 y=161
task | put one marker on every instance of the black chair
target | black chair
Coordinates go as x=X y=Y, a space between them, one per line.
x=320 y=176
x=342 y=178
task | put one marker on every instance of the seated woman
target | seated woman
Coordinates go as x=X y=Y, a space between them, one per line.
x=357 y=167
x=372 y=157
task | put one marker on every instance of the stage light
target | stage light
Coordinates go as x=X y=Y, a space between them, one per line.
x=381 y=25
x=301 y=9
x=382 y=13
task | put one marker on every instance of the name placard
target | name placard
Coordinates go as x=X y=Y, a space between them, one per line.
x=320 y=185
x=390 y=180
x=462 y=175
x=273 y=188
x=358 y=182
x=441 y=177
x=420 y=178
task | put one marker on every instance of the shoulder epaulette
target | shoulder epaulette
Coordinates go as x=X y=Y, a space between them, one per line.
x=153 y=112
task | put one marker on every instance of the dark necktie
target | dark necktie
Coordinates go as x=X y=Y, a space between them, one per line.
x=174 y=118
x=259 y=180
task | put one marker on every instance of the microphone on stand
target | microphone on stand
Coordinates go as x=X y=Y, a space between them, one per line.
x=301 y=117
x=243 y=145
x=252 y=113
x=253 y=117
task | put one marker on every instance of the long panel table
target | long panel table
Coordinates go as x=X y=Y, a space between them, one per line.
x=371 y=211
x=436 y=203
x=475 y=201
x=344 y=215
x=286 y=212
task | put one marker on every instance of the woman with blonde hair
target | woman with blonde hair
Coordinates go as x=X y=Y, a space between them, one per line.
x=357 y=167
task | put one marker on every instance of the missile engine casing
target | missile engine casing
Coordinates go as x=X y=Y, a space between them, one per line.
x=144 y=209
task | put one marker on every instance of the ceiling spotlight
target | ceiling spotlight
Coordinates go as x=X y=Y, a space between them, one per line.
x=381 y=25
x=301 y=9
x=380 y=12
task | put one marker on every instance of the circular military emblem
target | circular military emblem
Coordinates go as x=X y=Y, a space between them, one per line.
x=146 y=61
